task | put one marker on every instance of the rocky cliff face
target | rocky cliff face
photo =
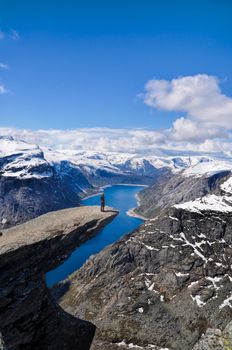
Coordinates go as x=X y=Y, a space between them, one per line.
x=22 y=199
x=170 y=283
x=29 y=317
x=170 y=189
x=30 y=186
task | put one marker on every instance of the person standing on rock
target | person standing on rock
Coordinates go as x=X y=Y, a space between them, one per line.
x=102 y=202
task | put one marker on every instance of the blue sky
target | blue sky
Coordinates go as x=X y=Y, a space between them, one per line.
x=83 y=63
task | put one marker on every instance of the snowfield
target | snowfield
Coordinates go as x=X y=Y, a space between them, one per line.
x=227 y=186
x=207 y=166
x=10 y=146
x=210 y=202
x=23 y=160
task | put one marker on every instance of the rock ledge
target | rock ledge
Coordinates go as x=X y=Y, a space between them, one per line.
x=29 y=317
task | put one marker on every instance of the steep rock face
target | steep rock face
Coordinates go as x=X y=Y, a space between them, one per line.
x=162 y=286
x=29 y=317
x=31 y=186
x=26 y=198
x=171 y=189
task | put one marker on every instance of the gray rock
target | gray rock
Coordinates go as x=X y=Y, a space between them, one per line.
x=29 y=317
x=25 y=199
x=172 y=189
x=210 y=341
x=164 y=284
x=2 y=346
x=215 y=339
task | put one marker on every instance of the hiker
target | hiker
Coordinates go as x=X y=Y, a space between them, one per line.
x=102 y=202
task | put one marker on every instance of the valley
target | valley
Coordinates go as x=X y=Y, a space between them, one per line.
x=117 y=196
x=135 y=279
x=35 y=180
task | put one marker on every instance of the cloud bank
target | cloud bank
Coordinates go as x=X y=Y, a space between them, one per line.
x=94 y=139
x=207 y=111
x=204 y=124
x=117 y=140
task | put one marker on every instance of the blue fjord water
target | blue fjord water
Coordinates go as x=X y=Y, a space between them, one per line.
x=120 y=197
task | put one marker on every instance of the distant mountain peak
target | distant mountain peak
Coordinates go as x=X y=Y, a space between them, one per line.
x=6 y=137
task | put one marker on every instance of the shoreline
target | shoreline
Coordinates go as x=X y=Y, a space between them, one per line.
x=132 y=213
x=90 y=196
x=106 y=186
x=136 y=185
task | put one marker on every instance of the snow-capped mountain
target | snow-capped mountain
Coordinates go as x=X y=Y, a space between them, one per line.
x=30 y=185
x=112 y=167
x=22 y=160
x=220 y=202
x=34 y=179
x=127 y=163
x=207 y=166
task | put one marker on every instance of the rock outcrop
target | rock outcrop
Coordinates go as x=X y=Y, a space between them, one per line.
x=171 y=189
x=170 y=281
x=29 y=317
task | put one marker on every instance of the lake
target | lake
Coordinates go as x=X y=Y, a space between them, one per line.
x=120 y=197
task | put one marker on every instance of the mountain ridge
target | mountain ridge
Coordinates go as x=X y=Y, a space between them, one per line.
x=35 y=180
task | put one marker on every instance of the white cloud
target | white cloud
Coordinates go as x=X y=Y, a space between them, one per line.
x=2 y=90
x=119 y=140
x=205 y=126
x=184 y=129
x=199 y=97
x=3 y=66
x=95 y=139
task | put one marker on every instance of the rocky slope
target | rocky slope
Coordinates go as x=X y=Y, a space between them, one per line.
x=171 y=189
x=29 y=317
x=170 y=281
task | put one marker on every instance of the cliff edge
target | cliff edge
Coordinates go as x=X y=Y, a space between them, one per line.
x=29 y=317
